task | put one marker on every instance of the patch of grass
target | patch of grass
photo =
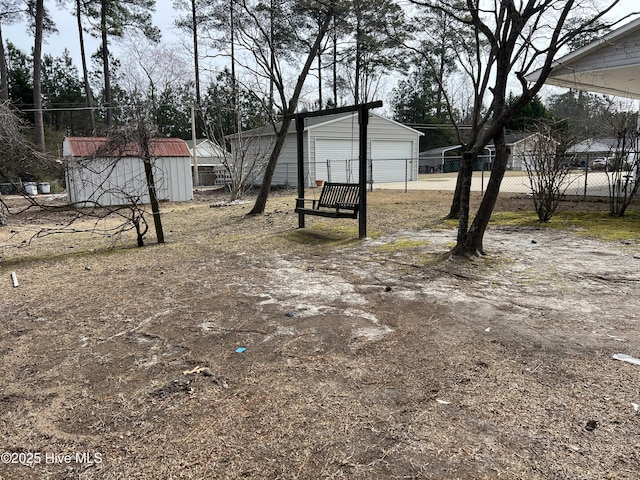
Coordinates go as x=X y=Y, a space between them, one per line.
x=400 y=245
x=600 y=225
x=593 y=224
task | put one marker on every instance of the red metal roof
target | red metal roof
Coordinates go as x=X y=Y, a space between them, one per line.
x=160 y=147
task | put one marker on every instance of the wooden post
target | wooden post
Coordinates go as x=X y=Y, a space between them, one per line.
x=300 y=140
x=363 y=120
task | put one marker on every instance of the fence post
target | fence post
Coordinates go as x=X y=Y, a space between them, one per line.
x=586 y=175
x=482 y=177
x=406 y=173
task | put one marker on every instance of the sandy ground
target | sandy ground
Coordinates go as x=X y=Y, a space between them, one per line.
x=244 y=348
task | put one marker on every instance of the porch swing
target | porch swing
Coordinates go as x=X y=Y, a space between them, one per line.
x=337 y=200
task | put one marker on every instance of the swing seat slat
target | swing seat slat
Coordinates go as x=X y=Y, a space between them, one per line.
x=337 y=200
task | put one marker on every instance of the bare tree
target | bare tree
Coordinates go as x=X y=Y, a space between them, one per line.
x=270 y=55
x=85 y=72
x=508 y=40
x=148 y=68
x=548 y=170
x=246 y=162
x=622 y=168
x=110 y=19
x=17 y=155
x=270 y=40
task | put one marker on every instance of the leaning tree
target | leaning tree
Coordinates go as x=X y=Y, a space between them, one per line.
x=505 y=40
x=281 y=40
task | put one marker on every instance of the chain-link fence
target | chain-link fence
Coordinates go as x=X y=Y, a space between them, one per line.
x=585 y=179
x=379 y=171
x=410 y=174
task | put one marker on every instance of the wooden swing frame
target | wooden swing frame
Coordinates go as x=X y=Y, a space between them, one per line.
x=363 y=120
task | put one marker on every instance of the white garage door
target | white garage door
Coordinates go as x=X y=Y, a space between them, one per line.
x=391 y=160
x=337 y=160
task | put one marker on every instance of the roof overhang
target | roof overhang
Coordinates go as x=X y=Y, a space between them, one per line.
x=610 y=65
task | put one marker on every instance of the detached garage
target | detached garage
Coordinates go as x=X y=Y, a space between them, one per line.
x=120 y=180
x=331 y=150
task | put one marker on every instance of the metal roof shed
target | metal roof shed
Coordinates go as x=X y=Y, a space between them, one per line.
x=118 y=180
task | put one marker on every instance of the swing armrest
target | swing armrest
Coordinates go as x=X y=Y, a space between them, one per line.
x=300 y=203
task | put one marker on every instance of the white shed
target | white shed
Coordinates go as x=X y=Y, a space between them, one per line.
x=331 y=150
x=211 y=159
x=111 y=180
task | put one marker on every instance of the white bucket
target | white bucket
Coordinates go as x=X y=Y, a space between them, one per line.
x=44 y=187
x=31 y=188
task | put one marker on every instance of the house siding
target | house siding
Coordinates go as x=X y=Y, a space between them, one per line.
x=621 y=53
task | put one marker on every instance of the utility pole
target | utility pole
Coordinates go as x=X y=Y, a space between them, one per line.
x=194 y=155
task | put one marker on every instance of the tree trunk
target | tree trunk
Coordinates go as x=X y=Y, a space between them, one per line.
x=234 y=84
x=281 y=135
x=151 y=184
x=37 y=76
x=320 y=102
x=85 y=71
x=356 y=81
x=194 y=20
x=105 y=63
x=454 y=211
x=464 y=181
x=335 y=63
x=4 y=73
x=472 y=243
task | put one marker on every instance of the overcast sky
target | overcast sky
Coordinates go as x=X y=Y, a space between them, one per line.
x=67 y=36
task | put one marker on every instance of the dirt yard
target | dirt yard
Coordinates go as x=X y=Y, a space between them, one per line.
x=245 y=348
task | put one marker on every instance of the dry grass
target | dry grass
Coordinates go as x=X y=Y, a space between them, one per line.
x=364 y=359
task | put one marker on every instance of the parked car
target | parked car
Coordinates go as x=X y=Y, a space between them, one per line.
x=600 y=163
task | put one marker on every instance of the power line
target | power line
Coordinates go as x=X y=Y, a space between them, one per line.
x=435 y=126
x=61 y=109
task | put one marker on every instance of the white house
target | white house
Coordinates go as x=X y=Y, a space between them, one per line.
x=331 y=148
x=211 y=159
x=120 y=179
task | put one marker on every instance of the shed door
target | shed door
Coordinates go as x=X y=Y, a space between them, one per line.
x=392 y=160
x=337 y=160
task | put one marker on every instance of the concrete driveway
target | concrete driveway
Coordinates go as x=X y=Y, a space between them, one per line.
x=513 y=182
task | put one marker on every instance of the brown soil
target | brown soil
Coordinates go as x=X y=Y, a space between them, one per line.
x=374 y=359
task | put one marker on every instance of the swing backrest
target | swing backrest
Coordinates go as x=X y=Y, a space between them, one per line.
x=339 y=195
